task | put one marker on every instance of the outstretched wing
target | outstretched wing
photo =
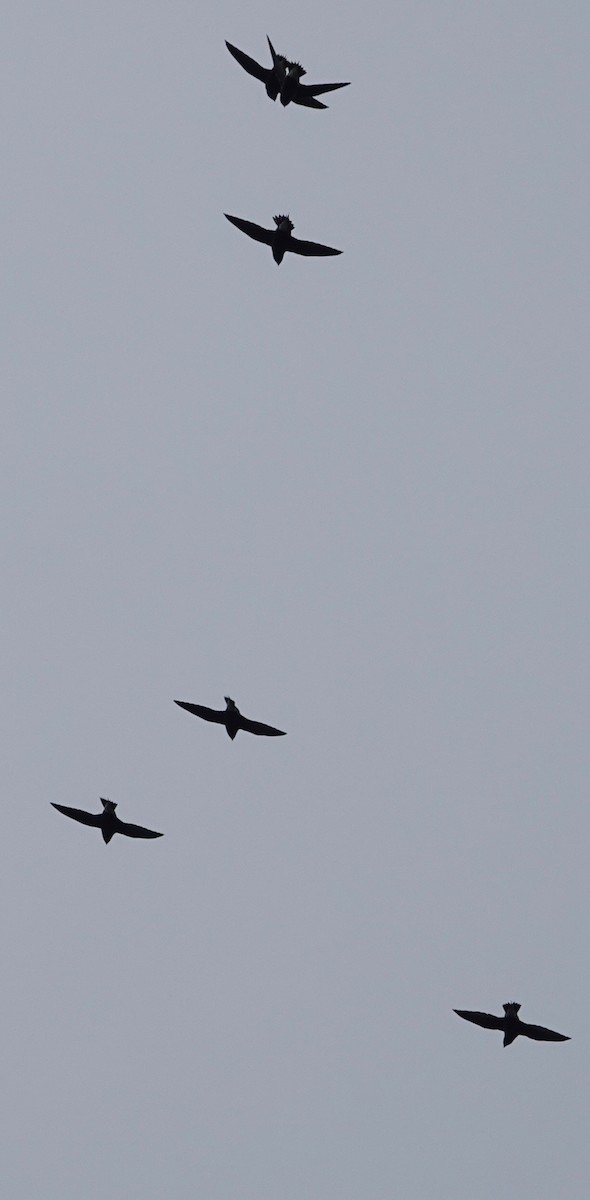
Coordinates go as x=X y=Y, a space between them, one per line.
x=319 y=89
x=307 y=101
x=135 y=830
x=78 y=814
x=254 y=231
x=279 y=61
x=487 y=1020
x=310 y=249
x=199 y=710
x=259 y=728
x=249 y=64
x=540 y=1034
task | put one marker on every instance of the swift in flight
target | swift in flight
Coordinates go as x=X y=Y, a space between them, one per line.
x=511 y=1025
x=232 y=718
x=107 y=821
x=280 y=239
x=284 y=79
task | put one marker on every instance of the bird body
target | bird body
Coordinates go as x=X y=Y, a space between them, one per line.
x=281 y=239
x=511 y=1025
x=107 y=821
x=231 y=717
x=284 y=78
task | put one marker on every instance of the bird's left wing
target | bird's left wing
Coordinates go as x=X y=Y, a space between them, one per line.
x=260 y=728
x=310 y=249
x=217 y=715
x=254 y=231
x=136 y=830
x=540 y=1034
x=249 y=64
x=487 y=1020
x=78 y=814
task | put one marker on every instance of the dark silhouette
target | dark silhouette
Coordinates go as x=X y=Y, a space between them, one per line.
x=284 y=79
x=511 y=1025
x=231 y=717
x=281 y=239
x=107 y=821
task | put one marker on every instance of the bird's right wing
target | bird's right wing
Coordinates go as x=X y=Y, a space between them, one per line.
x=310 y=249
x=260 y=728
x=199 y=710
x=320 y=89
x=307 y=101
x=254 y=231
x=540 y=1034
x=249 y=64
x=487 y=1020
x=137 y=831
x=78 y=814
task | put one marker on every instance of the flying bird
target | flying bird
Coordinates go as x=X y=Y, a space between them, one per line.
x=281 y=239
x=232 y=718
x=284 y=78
x=511 y=1025
x=107 y=821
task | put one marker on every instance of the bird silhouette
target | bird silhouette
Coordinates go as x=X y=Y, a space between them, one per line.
x=284 y=78
x=511 y=1025
x=232 y=718
x=107 y=821
x=280 y=239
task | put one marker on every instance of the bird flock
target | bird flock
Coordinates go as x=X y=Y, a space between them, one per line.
x=282 y=80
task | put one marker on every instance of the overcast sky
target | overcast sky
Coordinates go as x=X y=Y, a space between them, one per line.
x=351 y=493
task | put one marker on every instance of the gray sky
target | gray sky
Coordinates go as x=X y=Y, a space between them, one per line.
x=352 y=494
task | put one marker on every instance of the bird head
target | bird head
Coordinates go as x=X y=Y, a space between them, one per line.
x=284 y=223
x=108 y=805
x=296 y=69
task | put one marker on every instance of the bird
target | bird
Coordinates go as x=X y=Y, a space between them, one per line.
x=511 y=1025
x=107 y=821
x=284 y=78
x=232 y=718
x=280 y=239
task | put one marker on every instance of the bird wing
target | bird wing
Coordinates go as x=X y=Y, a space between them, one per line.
x=279 y=61
x=135 y=830
x=199 y=710
x=307 y=101
x=78 y=814
x=319 y=89
x=310 y=249
x=249 y=64
x=540 y=1034
x=259 y=728
x=254 y=231
x=487 y=1020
